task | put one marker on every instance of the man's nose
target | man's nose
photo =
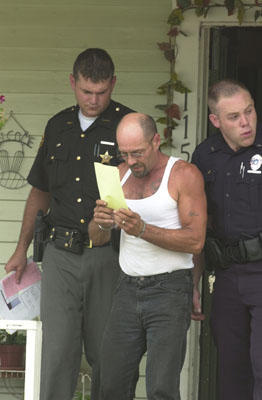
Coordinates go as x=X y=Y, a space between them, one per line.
x=131 y=160
x=93 y=98
x=243 y=120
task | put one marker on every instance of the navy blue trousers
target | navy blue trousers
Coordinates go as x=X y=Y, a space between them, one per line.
x=236 y=323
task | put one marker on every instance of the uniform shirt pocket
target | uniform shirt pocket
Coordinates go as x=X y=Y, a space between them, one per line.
x=58 y=166
x=250 y=190
x=106 y=154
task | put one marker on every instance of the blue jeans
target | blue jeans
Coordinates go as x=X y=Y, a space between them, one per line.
x=148 y=314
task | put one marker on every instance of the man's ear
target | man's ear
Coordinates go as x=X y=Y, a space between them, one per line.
x=214 y=120
x=113 y=81
x=156 y=141
x=72 y=81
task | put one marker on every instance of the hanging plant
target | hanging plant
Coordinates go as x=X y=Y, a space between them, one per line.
x=170 y=51
x=172 y=110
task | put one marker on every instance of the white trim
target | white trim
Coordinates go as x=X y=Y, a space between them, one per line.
x=203 y=75
x=33 y=354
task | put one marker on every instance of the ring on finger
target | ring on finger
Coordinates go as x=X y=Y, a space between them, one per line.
x=123 y=222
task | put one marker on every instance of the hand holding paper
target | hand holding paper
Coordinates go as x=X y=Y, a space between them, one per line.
x=21 y=301
x=110 y=189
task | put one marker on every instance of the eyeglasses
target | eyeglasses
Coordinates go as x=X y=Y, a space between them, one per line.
x=134 y=154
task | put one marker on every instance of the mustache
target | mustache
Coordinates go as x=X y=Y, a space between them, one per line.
x=135 y=165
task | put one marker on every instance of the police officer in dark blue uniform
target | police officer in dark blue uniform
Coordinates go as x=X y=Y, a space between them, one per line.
x=78 y=279
x=231 y=163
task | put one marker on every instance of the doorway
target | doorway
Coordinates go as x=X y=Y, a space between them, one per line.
x=235 y=53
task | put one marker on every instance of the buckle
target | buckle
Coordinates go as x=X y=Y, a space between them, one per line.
x=88 y=244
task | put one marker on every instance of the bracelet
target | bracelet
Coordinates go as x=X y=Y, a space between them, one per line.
x=106 y=229
x=142 y=230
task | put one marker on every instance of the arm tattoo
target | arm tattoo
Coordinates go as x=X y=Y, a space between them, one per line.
x=193 y=214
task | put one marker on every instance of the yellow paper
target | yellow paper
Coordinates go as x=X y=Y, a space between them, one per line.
x=109 y=186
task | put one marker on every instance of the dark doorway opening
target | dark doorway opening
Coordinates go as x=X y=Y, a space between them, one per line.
x=240 y=57
x=236 y=53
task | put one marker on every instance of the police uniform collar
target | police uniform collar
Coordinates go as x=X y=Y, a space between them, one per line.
x=106 y=118
x=217 y=143
x=258 y=138
x=71 y=117
x=108 y=115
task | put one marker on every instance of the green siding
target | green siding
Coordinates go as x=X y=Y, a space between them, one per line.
x=38 y=44
x=39 y=41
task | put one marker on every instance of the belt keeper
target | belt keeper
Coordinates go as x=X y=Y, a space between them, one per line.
x=89 y=245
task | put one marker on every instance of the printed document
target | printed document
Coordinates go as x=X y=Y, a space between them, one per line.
x=21 y=301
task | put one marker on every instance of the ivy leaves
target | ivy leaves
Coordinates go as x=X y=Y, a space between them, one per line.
x=3 y=119
x=173 y=84
x=202 y=8
x=170 y=50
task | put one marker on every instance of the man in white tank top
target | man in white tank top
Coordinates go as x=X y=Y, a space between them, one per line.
x=164 y=225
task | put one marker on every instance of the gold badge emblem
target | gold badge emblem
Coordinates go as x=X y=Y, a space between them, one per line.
x=106 y=157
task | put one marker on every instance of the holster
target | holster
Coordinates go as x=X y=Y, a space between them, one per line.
x=40 y=236
x=218 y=255
x=214 y=254
x=251 y=249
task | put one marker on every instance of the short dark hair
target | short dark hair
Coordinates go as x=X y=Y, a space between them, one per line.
x=95 y=64
x=148 y=125
x=223 y=88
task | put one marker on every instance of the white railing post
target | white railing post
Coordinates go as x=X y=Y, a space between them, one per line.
x=33 y=354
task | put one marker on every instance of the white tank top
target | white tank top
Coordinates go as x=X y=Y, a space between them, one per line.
x=141 y=258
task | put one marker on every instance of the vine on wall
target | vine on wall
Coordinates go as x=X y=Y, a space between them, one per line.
x=2 y=112
x=170 y=51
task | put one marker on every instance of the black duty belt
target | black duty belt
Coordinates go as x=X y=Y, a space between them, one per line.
x=220 y=256
x=71 y=240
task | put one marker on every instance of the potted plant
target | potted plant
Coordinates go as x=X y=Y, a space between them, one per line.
x=12 y=350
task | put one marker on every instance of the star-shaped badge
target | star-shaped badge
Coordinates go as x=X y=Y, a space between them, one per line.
x=106 y=157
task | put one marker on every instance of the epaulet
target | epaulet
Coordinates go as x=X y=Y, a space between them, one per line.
x=212 y=143
x=64 y=116
x=120 y=109
x=65 y=111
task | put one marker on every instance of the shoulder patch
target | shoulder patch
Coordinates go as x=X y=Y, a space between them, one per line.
x=42 y=141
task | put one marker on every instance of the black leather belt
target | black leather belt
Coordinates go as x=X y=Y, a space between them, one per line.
x=71 y=240
x=139 y=278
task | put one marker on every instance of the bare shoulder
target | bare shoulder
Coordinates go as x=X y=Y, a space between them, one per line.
x=185 y=179
x=184 y=170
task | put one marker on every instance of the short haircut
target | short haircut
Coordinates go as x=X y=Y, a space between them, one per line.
x=95 y=64
x=148 y=125
x=223 y=88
